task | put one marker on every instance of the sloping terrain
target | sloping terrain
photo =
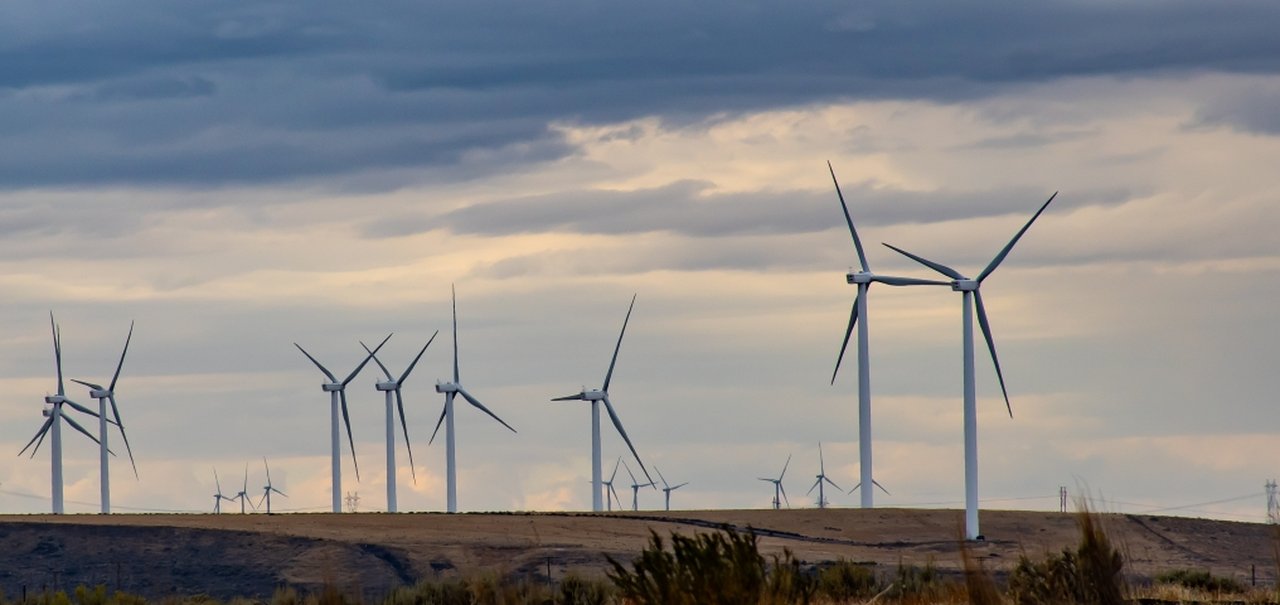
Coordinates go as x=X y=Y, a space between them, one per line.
x=250 y=555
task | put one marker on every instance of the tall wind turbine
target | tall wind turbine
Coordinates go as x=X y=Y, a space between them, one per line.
x=822 y=478
x=635 y=488
x=595 y=397
x=338 y=398
x=667 y=488
x=610 y=493
x=54 y=423
x=388 y=387
x=243 y=494
x=446 y=416
x=218 y=497
x=268 y=488
x=103 y=396
x=863 y=280
x=972 y=296
x=779 y=493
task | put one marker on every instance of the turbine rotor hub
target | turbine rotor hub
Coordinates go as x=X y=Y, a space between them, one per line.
x=861 y=277
x=446 y=387
x=964 y=285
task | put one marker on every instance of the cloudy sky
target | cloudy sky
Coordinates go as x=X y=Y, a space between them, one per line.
x=240 y=176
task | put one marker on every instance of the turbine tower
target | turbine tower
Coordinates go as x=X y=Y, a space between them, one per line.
x=667 y=488
x=446 y=416
x=822 y=478
x=392 y=386
x=779 y=493
x=863 y=280
x=635 y=488
x=267 y=489
x=969 y=289
x=595 y=397
x=338 y=398
x=610 y=493
x=103 y=396
x=218 y=497
x=53 y=425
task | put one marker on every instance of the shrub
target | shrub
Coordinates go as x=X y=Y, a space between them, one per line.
x=846 y=581
x=1200 y=580
x=575 y=590
x=1091 y=574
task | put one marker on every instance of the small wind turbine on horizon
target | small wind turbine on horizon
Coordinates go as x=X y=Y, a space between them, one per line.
x=103 y=396
x=391 y=386
x=243 y=494
x=635 y=488
x=822 y=478
x=446 y=416
x=595 y=397
x=969 y=289
x=54 y=424
x=610 y=493
x=779 y=493
x=218 y=497
x=267 y=489
x=338 y=399
x=667 y=488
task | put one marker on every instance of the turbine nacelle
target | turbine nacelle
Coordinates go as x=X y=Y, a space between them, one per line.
x=55 y=399
x=389 y=385
x=100 y=394
x=447 y=387
x=965 y=285
x=861 y=277
x=594 y=395
x=330 y=387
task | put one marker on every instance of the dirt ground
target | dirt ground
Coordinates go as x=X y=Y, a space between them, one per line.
x=250 y=555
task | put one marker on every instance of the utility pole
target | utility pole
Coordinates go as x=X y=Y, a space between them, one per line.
x=1273 y=507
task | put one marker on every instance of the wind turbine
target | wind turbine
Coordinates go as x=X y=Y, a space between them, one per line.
x=54 y=423
x=389 y=386
x=667 y=488
x=822 y=478
x=969 y=289
x=243 y=494
x=218 y=497
x=635 y=488
x=595 y=397
x=338 y=394
x=779 y=493
x=267 y=489
x=863 y=280
x=103 y=396
x=446 y=416
x=610 y=493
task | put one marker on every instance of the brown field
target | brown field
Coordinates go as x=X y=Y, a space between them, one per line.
x=231 y=554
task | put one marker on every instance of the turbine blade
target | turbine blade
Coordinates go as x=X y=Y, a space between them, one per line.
x=877 y=484
x=279 y=492
x=995 y=262
x=857 y=243
x=115 y=410
x=353 y=373
x=318 y=364
x=57 y=351
x=346 y=419
x=848 y=332
x=575 y=397
x=815 y=486
x=414 y=363
x=626 y=466
x=453 y=290
x=678 y=486
x=763 y=479
x=939 y=267
x=116 y=376
x=268 y=467
x=854 y=488
x=79 y=408
x=608 y=377
x=784 y=468
x=663 y=479
x=76 y=425
x=784 y=495
x=822 y=466
x=475 y=402
x=991 y=345
x=443 y=411
x=405 y=427
x=618 y=425
x=260 y=501
x=833 y=483
x=376 y=360
x=216 y=482
x=88 y=384
x=907 y=281
x=39 y=435
x=615 y=469
x=615 y=494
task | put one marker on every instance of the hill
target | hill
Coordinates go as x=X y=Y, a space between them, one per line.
x=250 y=555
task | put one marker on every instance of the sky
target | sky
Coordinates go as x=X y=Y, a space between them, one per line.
x=240 y=176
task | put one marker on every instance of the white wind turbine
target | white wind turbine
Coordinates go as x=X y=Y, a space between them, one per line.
x=972 y=296
x=863 y=280
x=822 y=478
x=338 y=398
x=53 y=425
x=243 y=494
x=446 y=417
x=595 y=397
x=388 y=387
x=779 y=493
x=103 y=396
x=667 y=488
x=267 y=489
x=635 y=488
x=610 y=493
x=218 y=497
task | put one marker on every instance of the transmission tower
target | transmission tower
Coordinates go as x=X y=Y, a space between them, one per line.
x=353 y=502
x=1273 y=507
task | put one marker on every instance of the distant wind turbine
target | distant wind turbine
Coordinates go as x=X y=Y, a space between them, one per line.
x=595 y=397
x=822 y=478
x=103 y=396
x=667 y=488
x=610 y=493
x=969 y=289
x=446 y=416
x=267 y=489
x=243 y=494
x=863 y=279
x=338 y=398
x=779 y=493
x=218 y=497
x=53 y=425
x=391 y=386
x=635 y=488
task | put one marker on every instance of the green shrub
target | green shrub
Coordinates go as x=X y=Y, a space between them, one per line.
x=846 y=581
x=575 y=590
x=1091 y=574
x=1200 y=580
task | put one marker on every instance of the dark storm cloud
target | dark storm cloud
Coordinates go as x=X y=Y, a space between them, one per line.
x=214 y=92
